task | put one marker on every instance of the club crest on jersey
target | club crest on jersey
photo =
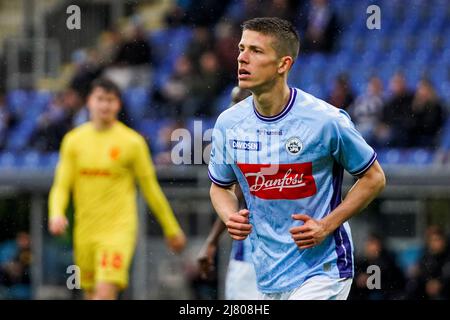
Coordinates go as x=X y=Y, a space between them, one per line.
x=294 y=145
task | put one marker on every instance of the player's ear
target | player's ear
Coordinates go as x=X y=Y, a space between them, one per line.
x=285 y=64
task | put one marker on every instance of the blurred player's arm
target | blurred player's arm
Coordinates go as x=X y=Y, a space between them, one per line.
x=226 y=204
x=156 y=200
x=208 y=251
x=366 y=188
x=60 y=191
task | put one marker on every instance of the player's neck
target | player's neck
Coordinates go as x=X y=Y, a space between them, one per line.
x=102 y=126
x=271 y=102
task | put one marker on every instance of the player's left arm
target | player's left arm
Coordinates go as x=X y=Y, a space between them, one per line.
x=349 y=149
x=157 y=201
x=366 y=188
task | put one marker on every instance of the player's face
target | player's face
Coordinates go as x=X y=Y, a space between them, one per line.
x=103 y=105
x=258 y=62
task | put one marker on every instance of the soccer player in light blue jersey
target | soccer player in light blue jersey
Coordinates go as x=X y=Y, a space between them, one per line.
x=288 y=150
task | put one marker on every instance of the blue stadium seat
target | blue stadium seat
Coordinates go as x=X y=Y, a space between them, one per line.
x=17 y=101
x=19 y=137
x=443 y=88
x=150 y=129
x=316 y=90
x=31 y=159
x=389 y=156
x=137 y=101
x=49 y=160
x=7 y=160
x=224 y=100
x=419 y=156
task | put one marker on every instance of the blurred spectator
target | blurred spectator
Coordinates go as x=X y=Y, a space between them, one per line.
x=394 y=129
x=205 y=12
x=392 y=279
x=341 y=95
x=15 y=272
x=176 y=17
x=161 y=143
x=443 y=152
x=74 y=103
x=284 y=9
x=366 y=110
x=131 y=66
x=204 y=87
x=427 y=116
x=53 y=124
x=430 y=279
x=108 y=46
x=176 y=91
x=321 y=29
x=201 y=42
x=87 y=68
x=7 y=119
x=227 y=40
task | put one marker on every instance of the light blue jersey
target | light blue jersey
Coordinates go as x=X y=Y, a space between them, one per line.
x=290 y=163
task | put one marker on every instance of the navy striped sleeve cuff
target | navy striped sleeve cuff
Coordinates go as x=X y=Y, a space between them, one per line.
x=366 y=166
x=220 y=183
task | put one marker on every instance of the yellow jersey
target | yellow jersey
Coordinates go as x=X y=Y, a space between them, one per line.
x=101 y=167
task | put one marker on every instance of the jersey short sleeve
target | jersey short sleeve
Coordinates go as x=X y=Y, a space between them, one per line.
x=348 y=146
x=220 y=169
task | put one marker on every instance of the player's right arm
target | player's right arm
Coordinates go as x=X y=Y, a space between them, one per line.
x=222 y=193
x=60 y=191
x=226 y=204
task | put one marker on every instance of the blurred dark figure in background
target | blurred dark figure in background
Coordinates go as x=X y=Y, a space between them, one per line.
x=366 y=109
x=397 y=116
x=392 y=279
x=131 y=67
x=87 y=68
x=205 y=87
x=6 y=121
x=321 y=29
x=205 y=12
x=175 y=93
x=430 y=279
x=53 y=124
x=227 y=36
x=202 y=41
x=428 y=116
x=15 y=273
x=341 y=95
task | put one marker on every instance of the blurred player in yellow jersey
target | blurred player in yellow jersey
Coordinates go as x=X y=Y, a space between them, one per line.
x=100 y=162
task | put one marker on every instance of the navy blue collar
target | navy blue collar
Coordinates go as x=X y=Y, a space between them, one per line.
x=287 y=107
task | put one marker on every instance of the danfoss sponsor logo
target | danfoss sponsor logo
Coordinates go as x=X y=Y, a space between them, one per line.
x=95 y=172
x=289 y=181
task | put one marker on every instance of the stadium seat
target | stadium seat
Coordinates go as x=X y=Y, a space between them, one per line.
x=137 y=102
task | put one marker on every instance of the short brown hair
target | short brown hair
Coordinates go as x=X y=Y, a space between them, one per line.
x=287 y=40
x=107 y=85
